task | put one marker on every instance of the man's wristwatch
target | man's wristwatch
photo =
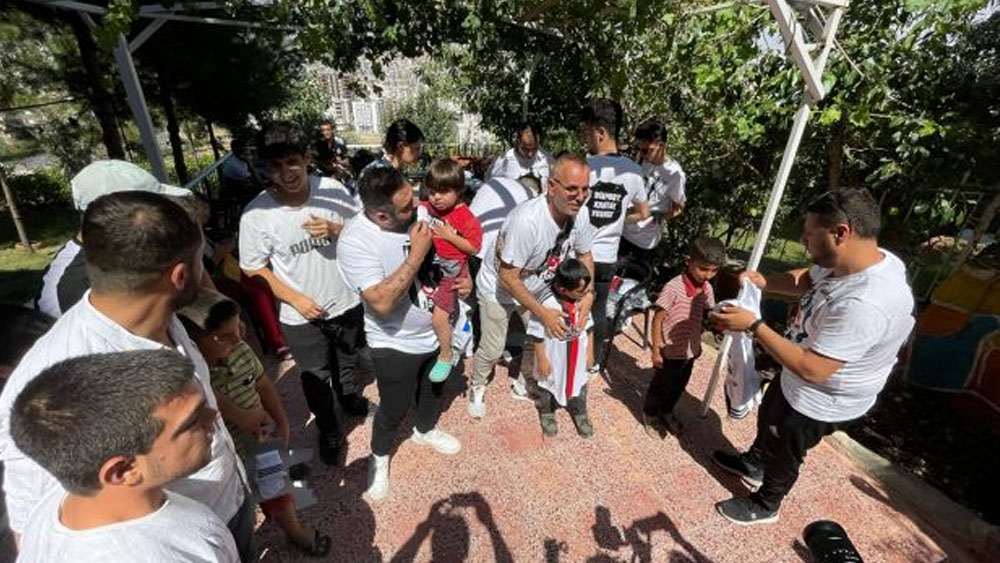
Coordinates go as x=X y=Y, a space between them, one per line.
x=752 y=329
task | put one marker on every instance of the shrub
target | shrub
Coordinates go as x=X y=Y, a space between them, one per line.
x=41 y=188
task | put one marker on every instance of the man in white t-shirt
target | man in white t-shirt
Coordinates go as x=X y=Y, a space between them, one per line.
x=114 y=429
x=144 y=260
x=855 y=312
x=665 y=183
x=288 y=238
x=617 y=196
x=525 y=158
x=65 y=280
x=536 y=236
x=386 y=257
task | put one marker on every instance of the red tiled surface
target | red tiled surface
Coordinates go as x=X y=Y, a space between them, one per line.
x=512 y=495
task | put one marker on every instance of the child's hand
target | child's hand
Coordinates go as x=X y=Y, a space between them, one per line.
x=446 y=232
x=254 y=422
x=544 y=368
x=657 y=358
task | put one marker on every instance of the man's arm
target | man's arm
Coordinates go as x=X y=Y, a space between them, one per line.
x=793 y=283
x=510 y=280
x=638 y=212
x=302 y=303
x=382 y=297
x=676 y=210
x=656 y=332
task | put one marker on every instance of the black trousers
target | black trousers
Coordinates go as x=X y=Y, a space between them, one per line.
x=784 y=435
x=603 y=274
x=402 y=382
x=326 y=353
x=667 y=386
x=547 y=404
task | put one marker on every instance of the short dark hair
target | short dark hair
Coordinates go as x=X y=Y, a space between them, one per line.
x=326 y=122
x=854 y=206
x=603 y=112
x=570 y=273
x=20 y=329
x=535 y=129
x=708 y=250
x=79 y=413
x=378 y=185
x=445 y=175
x=130 y=238
x=401 y=131
x=281 y=139
x=651 y=131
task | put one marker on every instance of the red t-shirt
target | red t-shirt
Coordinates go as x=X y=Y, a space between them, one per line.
x=464 y=223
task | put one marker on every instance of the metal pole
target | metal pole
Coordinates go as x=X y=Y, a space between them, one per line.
x=787 y=160
x=22 y=234
x=140 y=111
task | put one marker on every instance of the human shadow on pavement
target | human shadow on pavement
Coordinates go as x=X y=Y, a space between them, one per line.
x=632 y=543
x=447 y=527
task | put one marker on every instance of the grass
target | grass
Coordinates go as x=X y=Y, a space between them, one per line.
x=20 y=270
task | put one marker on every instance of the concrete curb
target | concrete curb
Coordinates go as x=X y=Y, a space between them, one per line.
x=945 y=515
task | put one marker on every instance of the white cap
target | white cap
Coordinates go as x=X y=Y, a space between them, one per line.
x=104 y=177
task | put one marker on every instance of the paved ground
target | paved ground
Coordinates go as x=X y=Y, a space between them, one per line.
x=511 y=495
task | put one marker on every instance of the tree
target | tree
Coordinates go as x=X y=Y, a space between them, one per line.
x=434 y=118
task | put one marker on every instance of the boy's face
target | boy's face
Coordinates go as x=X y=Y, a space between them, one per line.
x=576 y=294
x=700 y=271
x=221 y=342
x=290 y=173
x=442 y=200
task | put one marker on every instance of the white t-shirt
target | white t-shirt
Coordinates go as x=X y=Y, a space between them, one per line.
x=272 y=234
x=368 y=255
x=180 y=530
x=531 y=240
x=493 y=203
x=85 y=330
x=861 y=319
x=616 y=184
x=567 y=356
x=664 y=187
x=512 y=165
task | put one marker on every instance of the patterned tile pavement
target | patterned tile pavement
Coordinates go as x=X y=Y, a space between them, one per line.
x=512 y=495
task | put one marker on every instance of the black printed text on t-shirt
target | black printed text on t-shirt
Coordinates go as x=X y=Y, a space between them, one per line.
x=605 y=203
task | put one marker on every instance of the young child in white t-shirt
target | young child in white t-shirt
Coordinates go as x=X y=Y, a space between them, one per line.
x=561 y=364
x=457 y=235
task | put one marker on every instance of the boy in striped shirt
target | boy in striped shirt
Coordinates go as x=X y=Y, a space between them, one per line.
x=678 y=322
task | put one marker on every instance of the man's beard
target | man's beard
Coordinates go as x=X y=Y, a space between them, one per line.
x=188 y=293
x=403 y=225
x=823 y=257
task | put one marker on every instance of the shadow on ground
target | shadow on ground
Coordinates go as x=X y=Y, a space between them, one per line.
x=447 y=529
x=632 y=543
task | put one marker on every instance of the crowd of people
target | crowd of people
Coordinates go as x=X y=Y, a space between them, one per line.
x=128 y=425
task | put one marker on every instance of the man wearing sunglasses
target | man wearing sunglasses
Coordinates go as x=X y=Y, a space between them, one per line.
x=855 y=312
x=513 y=279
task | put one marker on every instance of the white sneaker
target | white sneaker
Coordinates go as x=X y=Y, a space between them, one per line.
x=519 y=389
x=477 y=401
x=378 y=477
x=441 y=441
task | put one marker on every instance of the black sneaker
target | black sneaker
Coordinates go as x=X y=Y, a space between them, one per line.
x=354 y=404
x=745 y=511
x=330 y=448
x=742 y=465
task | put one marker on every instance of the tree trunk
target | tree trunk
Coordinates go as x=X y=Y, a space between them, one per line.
x=173 y=127
x=100 y=100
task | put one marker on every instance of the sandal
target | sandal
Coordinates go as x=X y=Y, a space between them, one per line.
x=440 y=371
x=583 y=426
x=319 y=547
x=549 y=425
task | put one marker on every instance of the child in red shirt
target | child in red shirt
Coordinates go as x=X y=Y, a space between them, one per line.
x=677 y=327
x=457 y=235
